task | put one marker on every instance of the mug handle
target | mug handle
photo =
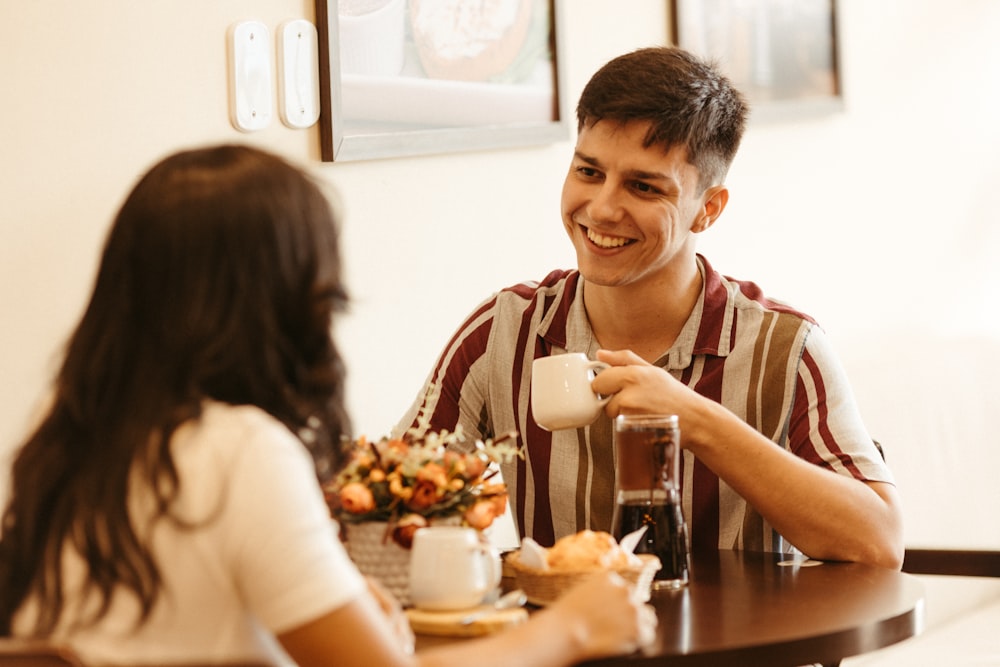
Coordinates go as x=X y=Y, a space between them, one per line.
x=491 y=555
x=594 y=367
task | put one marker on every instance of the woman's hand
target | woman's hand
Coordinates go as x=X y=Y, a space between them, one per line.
x=600 y=617
x=606 y=616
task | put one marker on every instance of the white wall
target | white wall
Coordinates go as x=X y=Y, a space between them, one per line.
x=885 y=209
x=875 y=219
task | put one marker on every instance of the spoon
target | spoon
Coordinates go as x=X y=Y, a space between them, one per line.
x=515 y=598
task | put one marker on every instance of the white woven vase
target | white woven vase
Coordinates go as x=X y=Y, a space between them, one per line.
x=378 y=556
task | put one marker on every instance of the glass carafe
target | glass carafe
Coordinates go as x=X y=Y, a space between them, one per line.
x=647 y=492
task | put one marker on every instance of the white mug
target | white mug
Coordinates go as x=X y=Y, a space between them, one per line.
x=452 y=567
x=561 y=396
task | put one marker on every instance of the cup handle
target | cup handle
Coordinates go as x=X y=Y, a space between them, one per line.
x=491 y=555
x=596 y=367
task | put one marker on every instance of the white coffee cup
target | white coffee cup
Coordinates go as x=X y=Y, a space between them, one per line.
x=452 y=567
x=561 y=396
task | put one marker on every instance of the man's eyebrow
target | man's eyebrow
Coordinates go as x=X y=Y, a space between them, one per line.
x=639 y=174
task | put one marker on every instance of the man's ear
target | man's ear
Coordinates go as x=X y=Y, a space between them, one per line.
x=715 y=200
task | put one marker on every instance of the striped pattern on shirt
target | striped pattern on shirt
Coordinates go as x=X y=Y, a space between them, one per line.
x=765 y=362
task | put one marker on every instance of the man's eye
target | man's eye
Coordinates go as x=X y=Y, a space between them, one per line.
x=645 y=188
x=589 y=172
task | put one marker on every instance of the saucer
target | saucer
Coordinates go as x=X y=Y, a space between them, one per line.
x=449 y=623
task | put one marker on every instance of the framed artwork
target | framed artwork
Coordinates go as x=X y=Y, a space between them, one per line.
x=781 y=53
x=414 y=77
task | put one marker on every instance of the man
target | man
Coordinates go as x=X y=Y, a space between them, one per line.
x=775 y=454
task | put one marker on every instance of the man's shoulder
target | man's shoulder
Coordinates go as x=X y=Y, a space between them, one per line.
x=547 y=308
x=723 y=292
x=749 y=295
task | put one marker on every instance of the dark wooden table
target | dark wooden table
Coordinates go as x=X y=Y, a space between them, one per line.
x=763 y=609
x=749 y=609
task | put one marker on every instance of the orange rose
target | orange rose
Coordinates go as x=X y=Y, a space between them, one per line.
x=407 y=527
x=496 y=494
x=357 y=498
x=499 y=503
x=480 y=515
x=425 y=494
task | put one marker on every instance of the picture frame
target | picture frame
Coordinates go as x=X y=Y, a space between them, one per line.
x=399 y=89
x=783 y=54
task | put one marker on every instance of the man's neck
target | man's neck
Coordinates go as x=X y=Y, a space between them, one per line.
x=645 y=317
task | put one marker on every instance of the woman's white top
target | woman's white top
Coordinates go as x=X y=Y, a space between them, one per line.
x=259 y=556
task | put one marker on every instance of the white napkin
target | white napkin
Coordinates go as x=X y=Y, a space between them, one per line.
x=534 y=554
x=630 y=542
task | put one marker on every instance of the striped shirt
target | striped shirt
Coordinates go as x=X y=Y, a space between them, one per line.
x=768 y=364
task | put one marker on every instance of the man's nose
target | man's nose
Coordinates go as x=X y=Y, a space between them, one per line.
x=606 y=203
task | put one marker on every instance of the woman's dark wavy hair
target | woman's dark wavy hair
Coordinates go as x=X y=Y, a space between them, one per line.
x=219 y=280
x=687 y=101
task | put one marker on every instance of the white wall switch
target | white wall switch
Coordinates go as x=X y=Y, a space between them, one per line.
x=250 y=80
x=298 y=73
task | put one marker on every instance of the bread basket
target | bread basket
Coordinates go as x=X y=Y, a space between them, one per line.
x=544 y=586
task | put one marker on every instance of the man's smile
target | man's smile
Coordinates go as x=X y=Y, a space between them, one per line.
x=604 y=241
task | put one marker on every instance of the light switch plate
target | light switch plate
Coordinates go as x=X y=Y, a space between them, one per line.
x=298 y=73
x=251 y=83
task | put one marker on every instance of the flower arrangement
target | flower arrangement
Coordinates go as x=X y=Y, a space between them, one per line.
x=410 y=481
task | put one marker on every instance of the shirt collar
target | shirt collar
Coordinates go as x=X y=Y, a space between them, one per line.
x=565 y=326
x=708 y=329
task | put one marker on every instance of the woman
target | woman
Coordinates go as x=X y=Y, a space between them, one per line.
x=167 y=508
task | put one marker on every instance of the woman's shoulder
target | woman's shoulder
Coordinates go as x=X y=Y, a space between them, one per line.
x=236 y=425
x=221 y=413
x=226 y=436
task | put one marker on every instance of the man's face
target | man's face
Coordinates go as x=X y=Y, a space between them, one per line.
x=630 y=211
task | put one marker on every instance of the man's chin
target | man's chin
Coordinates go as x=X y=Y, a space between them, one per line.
x=599 y=278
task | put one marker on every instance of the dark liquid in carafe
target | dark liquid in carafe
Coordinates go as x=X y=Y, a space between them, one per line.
x=664 y=537
x=645 y=459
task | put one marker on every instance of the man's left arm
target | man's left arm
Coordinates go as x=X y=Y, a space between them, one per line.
x=826 y=515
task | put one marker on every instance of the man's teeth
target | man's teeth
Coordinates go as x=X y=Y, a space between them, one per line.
x=606 y=241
